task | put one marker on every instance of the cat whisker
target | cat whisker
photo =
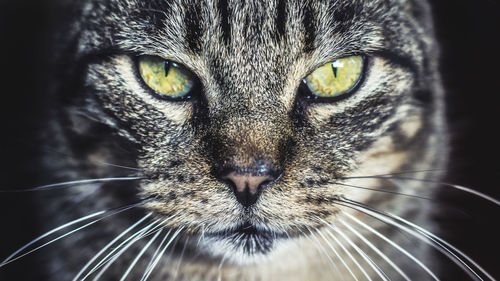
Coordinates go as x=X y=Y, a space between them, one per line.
x=337 y=254
x=75 y=182
x=109 y=259
x=202 y=236
x=93 y=161
x=49 y=233
x=122 y=166
x=383 y=190
x=106 y=214
x=406 y=172
x=153 y=257
x=348 y=253
x=180 y=258
x=455 y=186
x=141 y=170
x=372 y=264
x=398 y=184
x=219 y=268
x=171 y=253
x=257 y=241
x=375 y=249
x=402 y=250
x=422 y=234
x=322 y=249
x=109 y=245
x=160 y=254
x=143 y=250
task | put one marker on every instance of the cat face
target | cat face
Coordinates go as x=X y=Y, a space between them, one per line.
x=250 y=156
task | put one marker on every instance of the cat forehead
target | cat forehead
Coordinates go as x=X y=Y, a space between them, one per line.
x=191 y=26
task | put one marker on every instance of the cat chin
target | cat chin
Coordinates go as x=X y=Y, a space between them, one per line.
x=244 y=252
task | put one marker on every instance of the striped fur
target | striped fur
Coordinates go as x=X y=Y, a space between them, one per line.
x=250 y=57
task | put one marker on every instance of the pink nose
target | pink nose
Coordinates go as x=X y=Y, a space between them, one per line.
x=246 y=186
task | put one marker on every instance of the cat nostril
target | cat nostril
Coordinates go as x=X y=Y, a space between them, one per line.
x=246 y=186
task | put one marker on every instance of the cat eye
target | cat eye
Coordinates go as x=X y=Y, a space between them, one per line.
x=335 y=79
x=166 y=78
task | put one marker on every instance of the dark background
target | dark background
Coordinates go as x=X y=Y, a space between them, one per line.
x=467 y=30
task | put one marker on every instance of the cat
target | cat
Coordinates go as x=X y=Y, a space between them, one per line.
x=245 y=140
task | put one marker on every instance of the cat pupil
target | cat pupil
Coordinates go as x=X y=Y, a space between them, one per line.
x=334 y=69
x=166 y=66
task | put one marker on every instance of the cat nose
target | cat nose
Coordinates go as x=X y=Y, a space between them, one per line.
x=247 y=186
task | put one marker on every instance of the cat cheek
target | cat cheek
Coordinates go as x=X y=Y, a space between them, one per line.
x=411 y=126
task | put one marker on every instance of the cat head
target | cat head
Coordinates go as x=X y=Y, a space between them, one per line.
x=245 y=119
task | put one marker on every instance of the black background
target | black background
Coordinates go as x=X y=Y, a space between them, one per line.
x=467 y=30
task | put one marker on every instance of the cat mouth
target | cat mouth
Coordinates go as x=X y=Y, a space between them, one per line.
x=250 y=238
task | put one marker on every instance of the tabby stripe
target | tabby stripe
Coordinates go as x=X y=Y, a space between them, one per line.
x=402 y=60
x=309 y=27
x=421 y=89
x=194 y=31
x=344 y=15
x=224 y=19
x=281 y=17
x=153 y=14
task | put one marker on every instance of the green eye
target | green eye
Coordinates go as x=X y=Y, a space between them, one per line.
x=335 y=78
x=166 y=78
